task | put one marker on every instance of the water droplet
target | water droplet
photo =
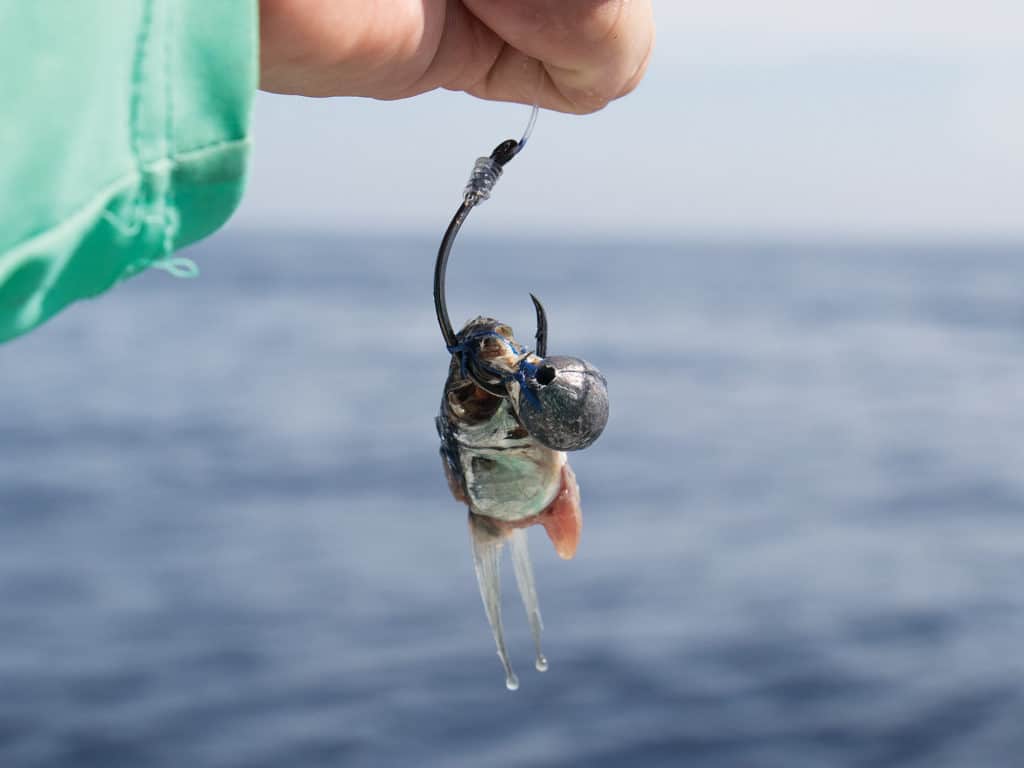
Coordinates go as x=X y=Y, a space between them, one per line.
x=512 y=682
x=541 y=664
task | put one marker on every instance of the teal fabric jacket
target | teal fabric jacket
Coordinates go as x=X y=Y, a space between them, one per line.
x=124 y=135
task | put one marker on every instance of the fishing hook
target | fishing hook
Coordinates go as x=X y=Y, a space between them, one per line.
x=485 y=175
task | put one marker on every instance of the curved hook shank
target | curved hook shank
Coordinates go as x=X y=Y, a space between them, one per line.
x=441 y=268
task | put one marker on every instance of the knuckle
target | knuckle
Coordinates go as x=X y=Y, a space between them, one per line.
x=605 y=19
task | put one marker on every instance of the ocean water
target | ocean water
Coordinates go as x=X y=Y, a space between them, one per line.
x=226 y=539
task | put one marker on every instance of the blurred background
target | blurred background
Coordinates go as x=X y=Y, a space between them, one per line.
x=795 y=252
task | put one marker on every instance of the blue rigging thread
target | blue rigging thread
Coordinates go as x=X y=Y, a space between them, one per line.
x=525 y=370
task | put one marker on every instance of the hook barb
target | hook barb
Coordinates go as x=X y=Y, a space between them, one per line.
x=542 y=327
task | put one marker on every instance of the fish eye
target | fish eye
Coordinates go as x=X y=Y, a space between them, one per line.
x=545 y=375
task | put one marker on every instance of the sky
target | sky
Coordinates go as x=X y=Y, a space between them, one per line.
x=793 y=119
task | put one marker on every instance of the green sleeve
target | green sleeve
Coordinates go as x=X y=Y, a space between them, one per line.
x=124 y=135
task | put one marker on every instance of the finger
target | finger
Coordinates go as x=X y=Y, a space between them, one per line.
x=347 y=47
x=593 y=51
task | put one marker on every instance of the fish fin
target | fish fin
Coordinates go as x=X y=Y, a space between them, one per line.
x=527 y=591
x=562 y=518
x=487 y=544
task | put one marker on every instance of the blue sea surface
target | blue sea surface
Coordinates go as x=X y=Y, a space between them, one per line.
x=226 y=537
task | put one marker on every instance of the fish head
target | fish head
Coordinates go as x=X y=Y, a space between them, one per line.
x=489 y=354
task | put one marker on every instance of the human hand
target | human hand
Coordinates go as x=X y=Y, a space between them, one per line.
x=566 y=55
